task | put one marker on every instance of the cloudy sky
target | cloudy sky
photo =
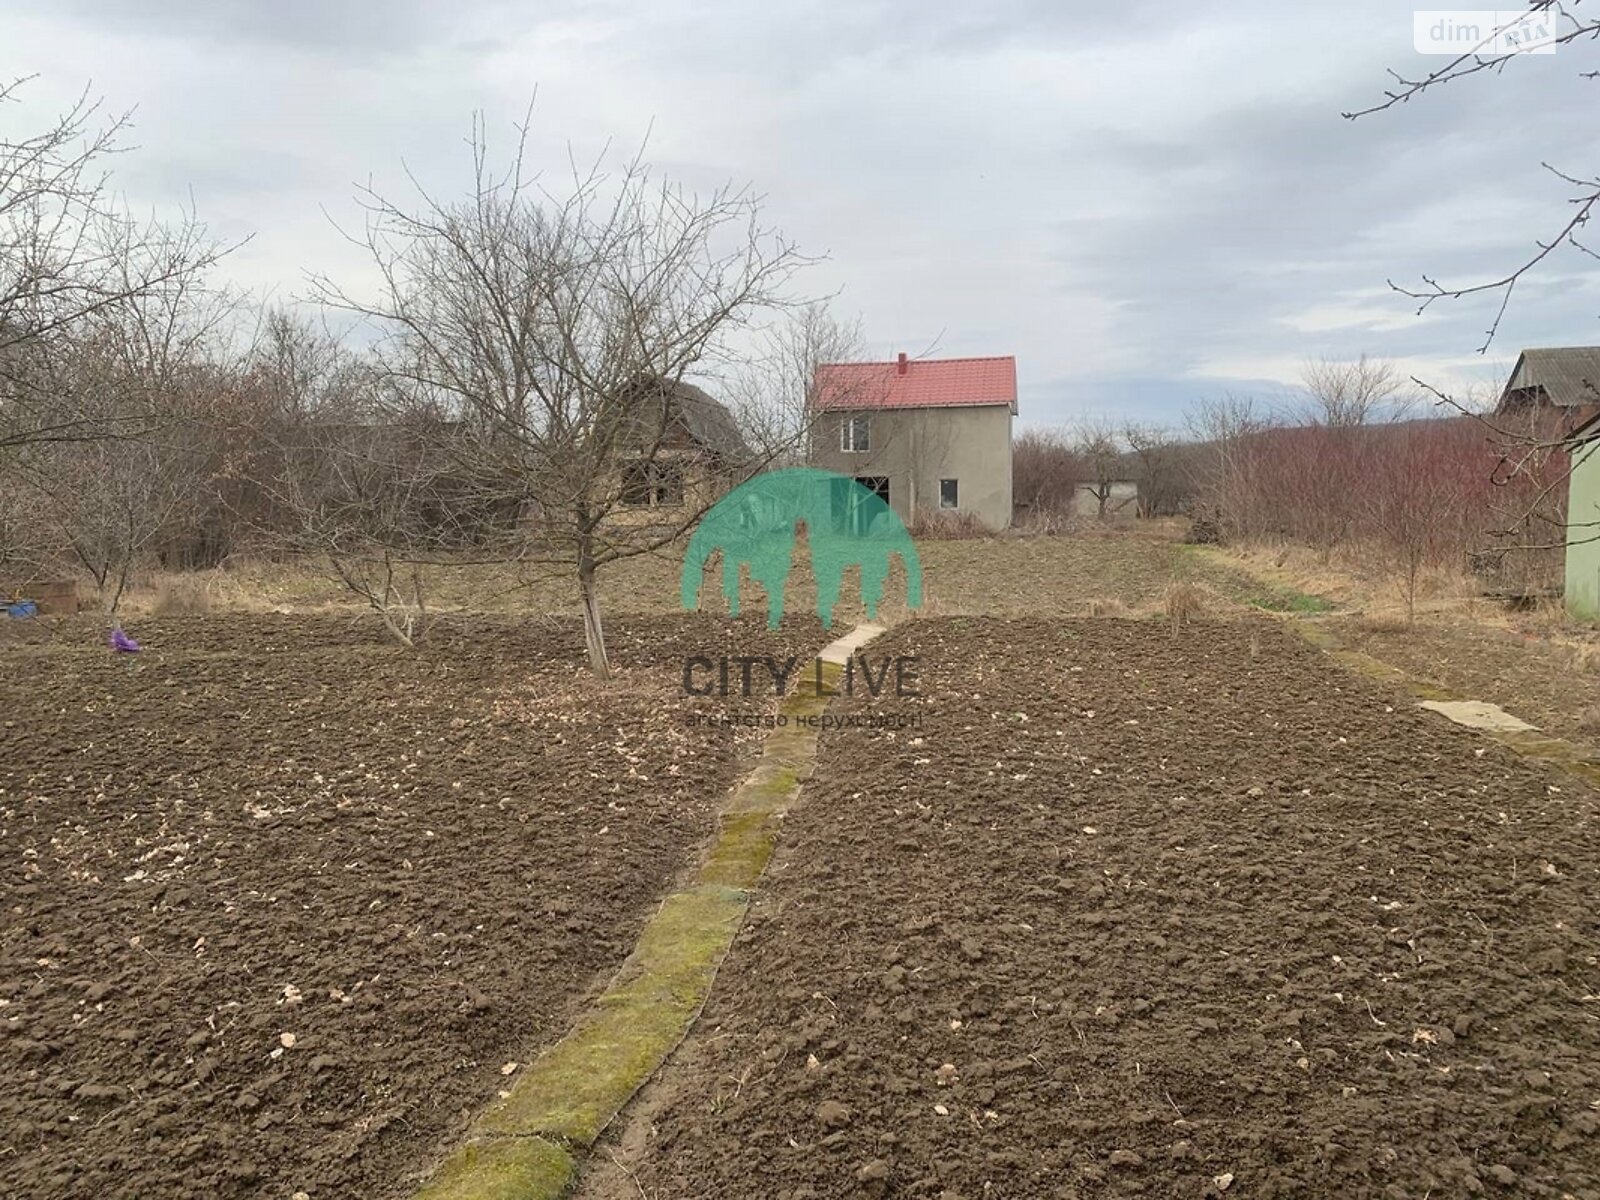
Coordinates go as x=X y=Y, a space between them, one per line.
x=1145 y=202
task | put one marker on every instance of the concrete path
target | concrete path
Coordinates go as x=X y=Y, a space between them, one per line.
x=1478 y=714
x=1489 y=719
x=839 y=650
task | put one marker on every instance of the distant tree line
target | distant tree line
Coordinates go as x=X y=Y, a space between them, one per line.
x=1357 y=463
x=525 y=337
x=1059 y=475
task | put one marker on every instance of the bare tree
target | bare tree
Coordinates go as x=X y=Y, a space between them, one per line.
x=1346 y=393
x=549 y=327
x=145 y=357
x=1099 y=455
x=375 y=502
x=297 y=394
x=1533 y=464
x=1156 y=452
x=70 y=253
x=773 y=392
x=298 y=370
x=1225 y=430
x=1045 y=475
x=25 y=544
x=332 y=473
x=110 y=500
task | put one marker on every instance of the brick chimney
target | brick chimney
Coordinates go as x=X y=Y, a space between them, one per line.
x=900 y=367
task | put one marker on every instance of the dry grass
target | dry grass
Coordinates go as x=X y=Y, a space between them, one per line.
x=1045 y=523
x=933 y=525
x=1388 y=625
x=1108 y=572
x=1589 y=721
x=1545 y=617
x=1359 y=579
x=1585 y=657
x=1184 y=602
x=180 y=596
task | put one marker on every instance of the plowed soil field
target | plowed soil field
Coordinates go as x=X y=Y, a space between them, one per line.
x=282 y=903
x=1144 y=913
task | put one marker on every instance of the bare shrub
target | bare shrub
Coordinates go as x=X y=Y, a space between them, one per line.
x=947 y=526
x=1413 y=497
x=1044 y=476
x=1417 y=506
x=1183 y=602
x=1205 y=526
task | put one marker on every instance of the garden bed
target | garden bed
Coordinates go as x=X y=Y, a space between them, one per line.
x=283 y=902
x=1137 y=913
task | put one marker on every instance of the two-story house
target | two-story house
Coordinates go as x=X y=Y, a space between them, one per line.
x=928 y=435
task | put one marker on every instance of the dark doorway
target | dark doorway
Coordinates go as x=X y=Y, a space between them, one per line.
x=851 y=511
x=878 y=484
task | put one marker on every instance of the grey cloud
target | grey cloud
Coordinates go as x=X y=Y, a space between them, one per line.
x=1288 y=206
x=361 y=29
x=1186 y=211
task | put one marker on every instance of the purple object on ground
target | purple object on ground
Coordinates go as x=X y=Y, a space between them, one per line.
x=122 y=643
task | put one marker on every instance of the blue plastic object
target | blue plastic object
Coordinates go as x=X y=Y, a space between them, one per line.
x=22 y=608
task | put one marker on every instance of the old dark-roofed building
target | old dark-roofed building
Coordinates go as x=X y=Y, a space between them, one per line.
x=1554 y=377
x=679 y=416
x=709 y=424
x=686 y=449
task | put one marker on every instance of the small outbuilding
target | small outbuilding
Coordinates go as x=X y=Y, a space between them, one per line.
x=1553 y=377
x=1583 y=523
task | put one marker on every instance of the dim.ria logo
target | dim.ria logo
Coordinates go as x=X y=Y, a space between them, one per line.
x=755 y=527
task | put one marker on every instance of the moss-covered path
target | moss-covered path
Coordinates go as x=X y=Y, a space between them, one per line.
x=528 y=1144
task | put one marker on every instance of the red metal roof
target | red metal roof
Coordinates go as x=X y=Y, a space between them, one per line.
x=917 y=383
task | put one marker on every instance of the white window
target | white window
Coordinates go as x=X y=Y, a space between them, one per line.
x=948 y=494
x=853 y=435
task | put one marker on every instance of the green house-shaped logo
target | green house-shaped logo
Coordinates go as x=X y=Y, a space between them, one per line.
x=847 y=525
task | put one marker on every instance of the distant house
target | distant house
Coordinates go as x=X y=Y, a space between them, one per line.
x=683 y=451
x=928 y=435
x=1562 y=378
x=1583 y=523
